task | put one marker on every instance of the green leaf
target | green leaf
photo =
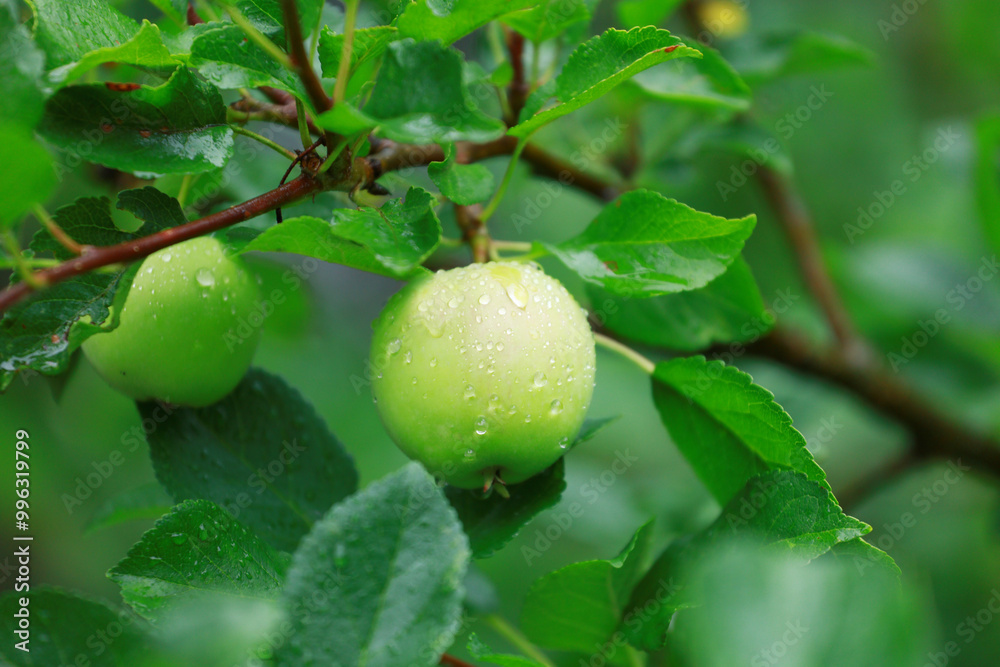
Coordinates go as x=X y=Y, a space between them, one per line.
x=863 y=556
x=63 y=624
x=262 y=453
x=764 y=58
x=708 y=82
x=827 y=614
x=427 y=20
x=346 y=119
x=378 y=580
x=480 y=651
x=39 y=334
x=549 y=19
x=401 y=234
x=420 y=97
x=148 y=501
x=461 y=183
x=145 y=49
x=728 y=428
x=197 y=549
x=643 y=244
x=728 y=309
x=175 y=9
x=67 y=31
x=226 y=58
x=26 y=169
x=492 y=522
x=177 y=127
x=369 y=43
x=266 y=16
x=743 y=139
x=781 y=512
x=600 y=64
x=634 y=13
x=579 y=606
x=988 y=177
x=21 y=77
x=312 y=237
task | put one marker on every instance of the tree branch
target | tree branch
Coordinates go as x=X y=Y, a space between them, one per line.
x=517 y=90
x=301 y=61
x=934 y=435
x=130 y=251
x=794 y=218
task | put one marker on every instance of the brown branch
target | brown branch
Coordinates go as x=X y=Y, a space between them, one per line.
x=130 y=251
x=474 y=231
x=517 y=90
x=300 y=58
x=794 y=218
x=934 y=434
x=452 y=661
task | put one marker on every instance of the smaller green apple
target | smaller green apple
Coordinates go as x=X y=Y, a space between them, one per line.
x=179 y=335
x=483 y=372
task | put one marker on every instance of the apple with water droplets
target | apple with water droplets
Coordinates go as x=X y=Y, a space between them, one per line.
x=183 y=336
x=483 y=373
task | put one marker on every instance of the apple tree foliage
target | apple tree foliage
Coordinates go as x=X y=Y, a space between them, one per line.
x=306 y=568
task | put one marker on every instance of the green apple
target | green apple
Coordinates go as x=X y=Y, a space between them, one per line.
x=183 y=336
x=483 y=372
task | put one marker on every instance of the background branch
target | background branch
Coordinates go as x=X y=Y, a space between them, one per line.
x=300 y=58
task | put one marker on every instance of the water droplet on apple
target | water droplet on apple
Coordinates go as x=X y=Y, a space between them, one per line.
x=484 y=299
x=205 y=277
x=481 y=426
x=470 y=392
x=556 y=407
x=540 y=380
x=518 y=294
x=393 y=346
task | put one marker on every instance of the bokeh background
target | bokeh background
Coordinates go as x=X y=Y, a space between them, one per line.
x=938 y=72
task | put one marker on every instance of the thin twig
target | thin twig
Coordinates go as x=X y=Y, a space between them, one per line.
x=57 y=232
x=131 y=251
x=794 y=218
x=300 y=58
x=470 y=221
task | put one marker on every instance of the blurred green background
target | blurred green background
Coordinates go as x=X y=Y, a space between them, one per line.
x=939 y=71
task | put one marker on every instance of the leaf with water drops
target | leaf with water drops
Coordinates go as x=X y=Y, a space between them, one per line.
x=262 y=453
x=378 y=581
x=197 y=549
x=177 y=127
x=39 y=334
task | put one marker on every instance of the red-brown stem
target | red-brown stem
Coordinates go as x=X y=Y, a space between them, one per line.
x=452 y=661
x=517 y=91
x=300 y=58
x=474 y=231
x=131 y=251
x=192 y=15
